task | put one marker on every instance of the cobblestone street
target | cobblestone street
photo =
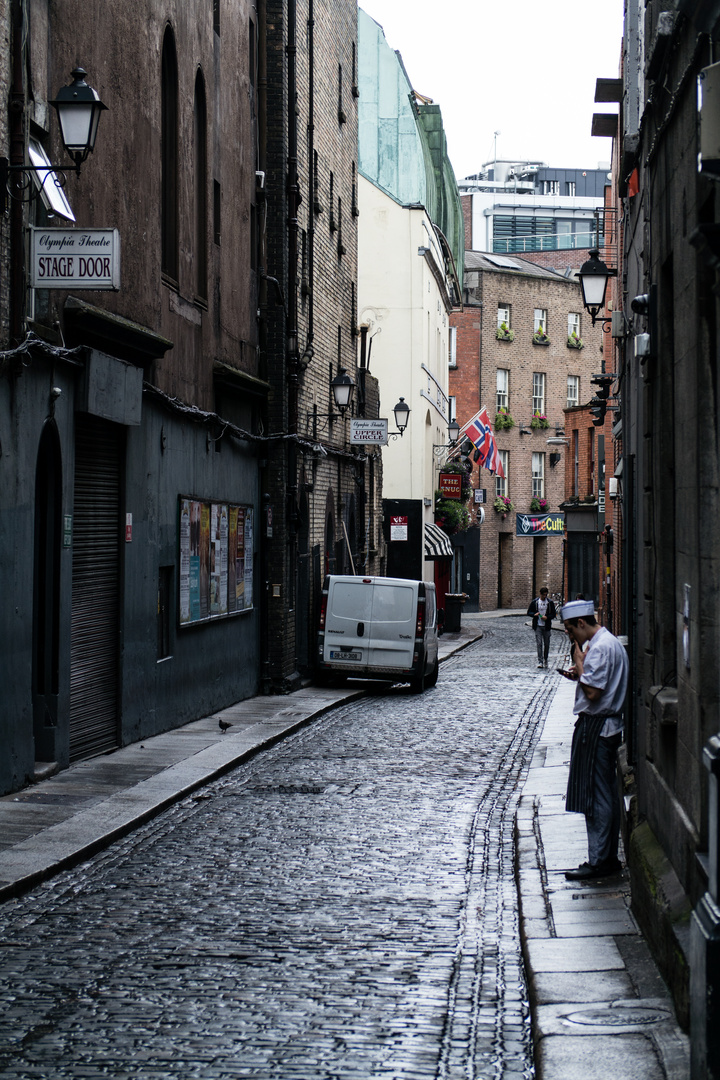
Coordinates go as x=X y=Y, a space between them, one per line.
x=343 y=905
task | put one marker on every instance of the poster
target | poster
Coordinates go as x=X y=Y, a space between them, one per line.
x=247 y=556
x=215 y=557
x=184 y=560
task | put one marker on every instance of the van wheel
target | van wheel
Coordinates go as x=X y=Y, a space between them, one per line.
x=417 y=683
x=432 y=678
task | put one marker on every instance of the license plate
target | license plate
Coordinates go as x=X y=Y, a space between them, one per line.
x=336 y=655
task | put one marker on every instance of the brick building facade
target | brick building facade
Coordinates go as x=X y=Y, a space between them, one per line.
x=593 y=522
x=523 y=376
x=323 y=494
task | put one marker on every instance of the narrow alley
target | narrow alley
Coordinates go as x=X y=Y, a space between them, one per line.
x=342 y=905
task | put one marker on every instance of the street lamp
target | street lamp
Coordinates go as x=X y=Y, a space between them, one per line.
x=78 y=109
x=342 y=387
x=594 y=275
x=402 y=414
x=453 y=435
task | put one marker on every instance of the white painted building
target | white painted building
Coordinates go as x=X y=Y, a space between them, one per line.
x=410 y=252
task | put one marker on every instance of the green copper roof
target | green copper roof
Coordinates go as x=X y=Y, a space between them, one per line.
x=403 y=148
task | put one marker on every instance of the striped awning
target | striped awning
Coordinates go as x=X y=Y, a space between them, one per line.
x=437 y=543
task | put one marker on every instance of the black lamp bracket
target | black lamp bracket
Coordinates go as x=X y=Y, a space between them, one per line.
x=19 y=181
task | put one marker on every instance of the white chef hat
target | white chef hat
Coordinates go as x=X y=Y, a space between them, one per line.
x=577 y=609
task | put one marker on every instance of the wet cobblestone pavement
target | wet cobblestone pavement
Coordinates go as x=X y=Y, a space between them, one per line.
x=342 y=906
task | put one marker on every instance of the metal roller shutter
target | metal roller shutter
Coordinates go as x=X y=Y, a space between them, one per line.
x=94 y=682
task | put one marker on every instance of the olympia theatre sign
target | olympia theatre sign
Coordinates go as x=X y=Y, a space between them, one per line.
x=74 y=259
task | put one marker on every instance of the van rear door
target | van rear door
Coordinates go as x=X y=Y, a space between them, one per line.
x=347 y=624
x=392 y=625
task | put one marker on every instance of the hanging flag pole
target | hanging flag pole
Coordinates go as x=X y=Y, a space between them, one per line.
x=480 y=433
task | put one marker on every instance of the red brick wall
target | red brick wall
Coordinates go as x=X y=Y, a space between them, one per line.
x=580 y=421
x=558 y=260
x=526 y=562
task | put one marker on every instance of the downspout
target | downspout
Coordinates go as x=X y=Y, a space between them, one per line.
x=264 y=627
x=293 y=202
x=292 y=357
x=16 y=128
x=311 y=193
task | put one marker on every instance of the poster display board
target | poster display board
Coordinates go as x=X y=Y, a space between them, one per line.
x=215 y=559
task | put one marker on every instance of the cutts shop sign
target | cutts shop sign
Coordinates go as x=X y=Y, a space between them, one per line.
x=74 y=259
x=539 y=524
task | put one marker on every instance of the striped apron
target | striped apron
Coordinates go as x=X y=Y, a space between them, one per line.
x=579 y=797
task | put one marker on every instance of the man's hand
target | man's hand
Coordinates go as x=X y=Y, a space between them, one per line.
x=592 y=693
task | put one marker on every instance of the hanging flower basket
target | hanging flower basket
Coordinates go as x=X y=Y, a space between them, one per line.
x=503 y=505
x=503 y=421
x=575 y=342
x=539 y=506
x=452 y=516
x=539 y=422
x=504 y=333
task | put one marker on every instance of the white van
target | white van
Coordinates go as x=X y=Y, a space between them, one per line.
x=375 y=627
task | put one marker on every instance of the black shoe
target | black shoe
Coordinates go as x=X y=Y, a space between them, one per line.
x=610 y=866
x=584 y=872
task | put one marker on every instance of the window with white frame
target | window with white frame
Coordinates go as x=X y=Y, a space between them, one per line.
x=569 y=187
x=452 y=343
x=573 y=323
x=573 y=391
x=503 y=387
x=452 y=406
x=540 y=321
x=503 y=315
x=538 y=476
x=501 y=482
x=538 y=399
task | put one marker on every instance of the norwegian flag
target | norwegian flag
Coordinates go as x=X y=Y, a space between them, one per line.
x=479 y=432
x=493 y=463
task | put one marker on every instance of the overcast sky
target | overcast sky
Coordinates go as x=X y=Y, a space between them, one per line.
x=522 y=68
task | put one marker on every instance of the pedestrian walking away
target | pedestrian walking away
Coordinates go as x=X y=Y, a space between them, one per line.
x=543 y=612
x=600 y=669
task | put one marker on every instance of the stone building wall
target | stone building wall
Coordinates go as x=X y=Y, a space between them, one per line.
x=325 y=494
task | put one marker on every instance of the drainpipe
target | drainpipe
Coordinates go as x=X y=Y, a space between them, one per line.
x=311 y=173
x=16 y=126
x=293 y=202
x=292 y=355
x=261 y=164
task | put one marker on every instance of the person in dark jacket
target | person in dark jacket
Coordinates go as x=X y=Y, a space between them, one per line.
x=543 y=612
